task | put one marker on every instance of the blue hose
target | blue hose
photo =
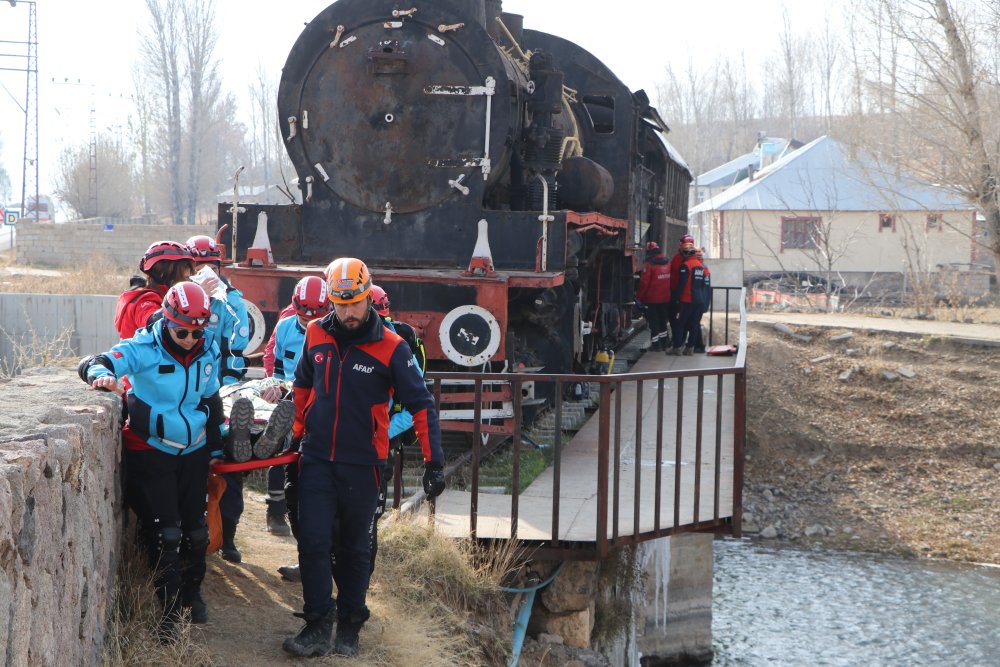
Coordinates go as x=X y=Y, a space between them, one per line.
x=524 y=614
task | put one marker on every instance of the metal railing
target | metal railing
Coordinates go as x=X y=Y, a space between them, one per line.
x=693 y=459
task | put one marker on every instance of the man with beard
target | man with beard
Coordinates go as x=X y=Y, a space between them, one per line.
x=351 y=369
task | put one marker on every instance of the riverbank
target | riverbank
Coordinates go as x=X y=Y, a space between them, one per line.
x=873 y=441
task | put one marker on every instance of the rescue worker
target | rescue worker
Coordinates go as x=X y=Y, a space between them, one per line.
x=309 y=302
x=231 y=325
x=164 y=264
x=675 y=268
x=351 y=368
x=654 y=294
x=691 y=294
x=173 y=430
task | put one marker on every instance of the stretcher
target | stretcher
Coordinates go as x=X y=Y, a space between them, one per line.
x=254 y=464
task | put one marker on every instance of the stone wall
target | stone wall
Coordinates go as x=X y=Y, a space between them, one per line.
x=81 y=243
x=650 y=604
x=60 y=518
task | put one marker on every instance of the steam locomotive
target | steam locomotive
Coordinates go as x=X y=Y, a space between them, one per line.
x=500 y=183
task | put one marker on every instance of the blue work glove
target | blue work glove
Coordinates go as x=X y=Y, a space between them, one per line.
x=433 y=479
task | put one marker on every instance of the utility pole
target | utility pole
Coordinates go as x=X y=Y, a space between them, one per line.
x=29 y=169
x=92 y=181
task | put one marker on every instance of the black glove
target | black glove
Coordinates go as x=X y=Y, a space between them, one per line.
x=84 y=366
x=433 y=479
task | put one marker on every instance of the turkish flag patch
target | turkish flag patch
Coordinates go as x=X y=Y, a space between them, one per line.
x=117 y=355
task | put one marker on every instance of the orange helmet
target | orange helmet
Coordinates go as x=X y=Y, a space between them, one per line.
x=187 y=304
x=203 y=249
x=380 y=300
x=687 y=238
x=310 y=298
x=349 y=280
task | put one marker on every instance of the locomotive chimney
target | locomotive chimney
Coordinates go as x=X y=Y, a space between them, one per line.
x=493 y=9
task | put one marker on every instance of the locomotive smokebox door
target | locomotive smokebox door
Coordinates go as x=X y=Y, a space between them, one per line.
x=396 y=110
x=469 y=335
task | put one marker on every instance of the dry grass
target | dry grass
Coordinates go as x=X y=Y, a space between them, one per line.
x=135 y=612
x=443 y=596
x=33 y=349
x=98 y=276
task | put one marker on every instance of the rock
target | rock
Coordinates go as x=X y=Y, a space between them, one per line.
x=546 y=638
x=889 y=376
x=847 y=530
x=840 y=337
x=815 y=529
x=769 y=533
x=816 y=459
x=996 y=466
x=906 y=372
x=574 y=627
x=848 y=374
x=853 y=352
x=768 y=496
x=748 y=518
x=819 y=360
x=888 y=345
x=573 y=589
x=787 y=330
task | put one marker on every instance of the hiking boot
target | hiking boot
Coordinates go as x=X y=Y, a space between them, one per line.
x=278 y=426
x=193 y=601
x=313 y=639
x=228 y=550
x=673 y=351
x=168 y=630
x=240 y=420
x=347 y=642
x=276 y=523
x=688 y=351
x=290 y=573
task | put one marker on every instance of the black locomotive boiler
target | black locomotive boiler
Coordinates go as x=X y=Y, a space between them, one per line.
x=500 y=183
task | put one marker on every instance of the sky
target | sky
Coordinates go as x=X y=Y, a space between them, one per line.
x=86 y=49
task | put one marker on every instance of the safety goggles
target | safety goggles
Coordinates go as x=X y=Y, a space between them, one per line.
x=182 y=334
x=312 y=312
x=206 y=253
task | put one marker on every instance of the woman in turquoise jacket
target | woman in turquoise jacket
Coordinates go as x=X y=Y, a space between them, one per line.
x=172 y=433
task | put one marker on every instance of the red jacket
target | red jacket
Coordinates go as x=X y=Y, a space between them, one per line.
x=654 y=285
x=135 y=307
x=675 y=269
x=695 y=283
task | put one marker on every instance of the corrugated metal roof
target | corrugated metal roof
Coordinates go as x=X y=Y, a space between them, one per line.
x=820 y=176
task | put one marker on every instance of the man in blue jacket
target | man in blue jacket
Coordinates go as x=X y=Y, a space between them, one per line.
x=351 y=369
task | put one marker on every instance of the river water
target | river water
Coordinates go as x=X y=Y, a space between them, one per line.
x=783 y=606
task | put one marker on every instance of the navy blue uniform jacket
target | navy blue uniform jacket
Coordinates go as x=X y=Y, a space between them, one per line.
x=342 y=396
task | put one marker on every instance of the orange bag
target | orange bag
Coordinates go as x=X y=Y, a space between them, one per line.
x=216 y=487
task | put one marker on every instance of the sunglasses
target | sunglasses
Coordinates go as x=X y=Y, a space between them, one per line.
x=183 y=333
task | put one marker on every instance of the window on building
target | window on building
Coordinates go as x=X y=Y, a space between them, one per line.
x=934 y=221
x=800 y=233
x=886 y=222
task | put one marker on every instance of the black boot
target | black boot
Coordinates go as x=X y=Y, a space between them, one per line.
x=192 y=600
x=348 y=629
x=229 y=550
x=314 y=639
x=169 y=628
x=276 y=510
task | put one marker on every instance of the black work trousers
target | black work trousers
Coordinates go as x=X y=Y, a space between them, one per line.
x=169 y=493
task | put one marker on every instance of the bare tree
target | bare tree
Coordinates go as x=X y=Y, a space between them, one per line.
x=160 y=53
x=116 y=179
x=945 y=82
x=200 y=37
